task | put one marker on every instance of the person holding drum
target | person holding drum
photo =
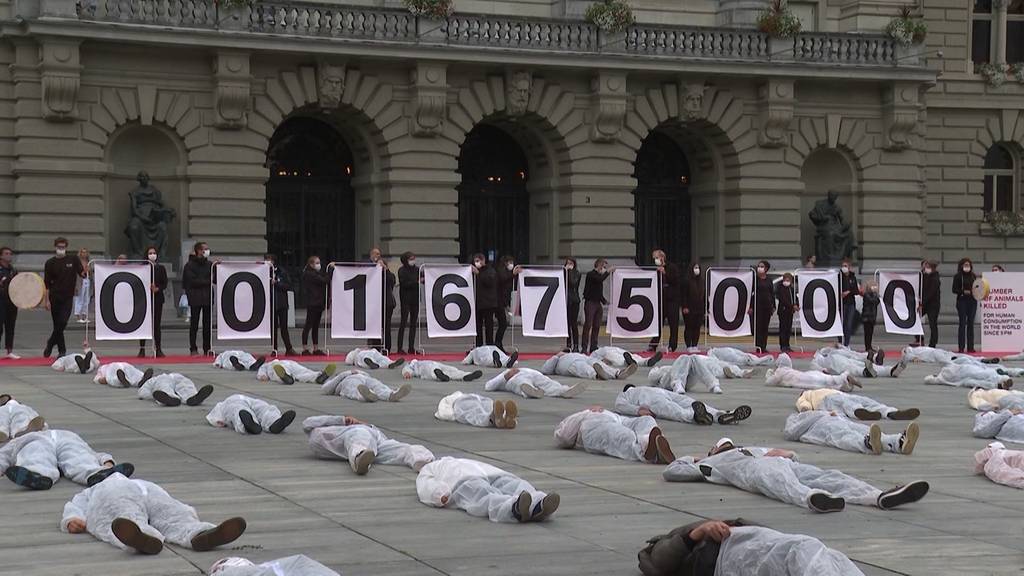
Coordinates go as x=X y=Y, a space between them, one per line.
x=8 y=311
x=60 y=277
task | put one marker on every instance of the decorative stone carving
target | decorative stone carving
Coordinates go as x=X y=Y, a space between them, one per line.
x=330 y=83
x=59 y=74
x=776 y=100
x=691 y=99
x=233 y=89
x=429 y=99
x=607 y=106
x=900 y=113
x=518 y=85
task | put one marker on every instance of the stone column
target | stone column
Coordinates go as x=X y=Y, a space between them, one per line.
x=999 y=31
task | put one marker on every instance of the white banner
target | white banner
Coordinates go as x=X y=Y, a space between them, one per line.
x=542 y=302
x=450 y=300
x=243 y=300
x=635 y=308
x=898 y=291
x=818 y=295
x=357 y=302
x=1002 y=313
x=729 y=298
x=123 y=301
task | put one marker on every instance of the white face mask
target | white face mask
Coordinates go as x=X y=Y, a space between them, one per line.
x=152 y=257
x=510 y=266
x=374 y=258
x=696 y=271
x=786 y=284
x=412 y=262
x=206 y=253
x=569 y=266
x=845 y=269
x=478 y=264
x=658 y=262
x=967 y=269
x=927 y=270
x=316 y=266
x=760 y=269
x=61 y=251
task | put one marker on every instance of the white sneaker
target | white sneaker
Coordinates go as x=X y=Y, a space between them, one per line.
x=13 y=356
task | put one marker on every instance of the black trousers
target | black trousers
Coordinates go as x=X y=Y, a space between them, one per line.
x=501 y=314
x=312 y=325
x=591 y=324
x=8 y=318
x=762 y=317
x=389 y=313
x=485 y=326
x=785 y=329
x=193 y=327
x=408 y=316
x=692 y=323
x=280 y=325
x=669 y=315
x=933 y=326
x=573 y=312
x=158 y=316
x=60 y=313
x=966 y=308
x=869 y=335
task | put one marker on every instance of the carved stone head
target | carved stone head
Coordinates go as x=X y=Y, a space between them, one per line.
x=517 y=92
x=330 y=84
x=832 y=196
x=693 y=100
x=143 y=178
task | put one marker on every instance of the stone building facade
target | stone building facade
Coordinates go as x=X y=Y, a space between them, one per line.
x=512 y=127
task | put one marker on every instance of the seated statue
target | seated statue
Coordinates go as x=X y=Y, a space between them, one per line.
x=148 y=220
x=833 y=238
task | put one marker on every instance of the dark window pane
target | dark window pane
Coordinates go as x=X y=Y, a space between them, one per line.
x=988 y=194
x=1015 y=7
x=981 y=40
x=982 y=6
x=1004 y=193
x=1015 y=41
x=998 y=158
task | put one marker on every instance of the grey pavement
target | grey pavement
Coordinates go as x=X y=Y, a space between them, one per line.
x=375 y=524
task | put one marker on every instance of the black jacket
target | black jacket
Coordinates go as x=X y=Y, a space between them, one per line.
x=281 y=285
x=593 y=288
x=389 y=289
x=314 y=288
x=692 y=294
x=5 y=281
x=197 y=280
x=963 y=282
x=487 y=289
x=848 y=283
x=931 y=291
x=786 y=295
x=506 y=283
x=671 y=282
x=160 y=279
x=675 y=554
x=409 y=285
x=573 y=278
x=764 y=293
x=869 y=309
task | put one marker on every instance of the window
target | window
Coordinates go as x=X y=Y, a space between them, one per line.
x=981 y=32
x=1000 y=179
x=1015 y=32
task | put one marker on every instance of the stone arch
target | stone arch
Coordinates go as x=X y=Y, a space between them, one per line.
x=1007 y=127
x=145 y=105
x=848 y=135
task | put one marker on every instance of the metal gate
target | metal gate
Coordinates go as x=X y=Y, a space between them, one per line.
x=661 y=200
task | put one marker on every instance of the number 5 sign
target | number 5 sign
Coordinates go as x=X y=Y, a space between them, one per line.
x=636 y=300
x=357 y=301
x=542 y=301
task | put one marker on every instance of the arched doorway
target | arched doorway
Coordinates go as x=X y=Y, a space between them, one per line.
x=309 y=195
x=661 y=200
x=494 y=206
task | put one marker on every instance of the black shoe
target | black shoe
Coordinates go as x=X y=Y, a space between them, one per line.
x=629 y=358
x=291 y=352
x=307 y=353
x=224 y=533
x=129 y=534
x=971 y=351
x=901 y=495
x=821 y=502
x=199 y=396
x=512 y=359
x=166 y=399
x=990 y=360
x=496 y=359
x=880 y=357
x=319 y=352
x=258 y=363
x=24 y=477
x=545 y=508
x=125 y=469
x=142 y=353
x=236 y=364
x=146 y=376
x=739 y=414
x=440 y=375
x=908 y=414
x=47 y=351
x=326 y=373
x=193 y=352
x=654 y=359
x=281 y=423
x=396 y=363
x=862 y=414
x=84 y=362
x=249 y=423
x=371 y=364
x=283 y=374
x=700 y=414
x=160 y=353
x=522 y=507
x=473 y=376
x=123 y=379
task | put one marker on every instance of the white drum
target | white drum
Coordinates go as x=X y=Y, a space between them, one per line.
x=26 y=290
x=980 y=289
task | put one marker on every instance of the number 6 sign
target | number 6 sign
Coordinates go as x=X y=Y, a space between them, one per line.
x=450 y=300
x=542 y=301
x=357 y=302
x=636 y=300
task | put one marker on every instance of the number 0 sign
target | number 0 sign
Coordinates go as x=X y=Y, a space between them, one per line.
x=634 y=308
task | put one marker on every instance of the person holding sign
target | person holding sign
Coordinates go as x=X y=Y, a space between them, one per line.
x=37 y=460
x=661 y=403
x=572 y=277
x=849 y=289
x=671 y=290
x=61 y=274
x=158 y=287
x=197 y=281
x=372 y=359
x=8 y=311
x=601 y=431
x=580 y=366
x=764 y=305
x=869 y=313
x=314 y=288
x=430 y=370
x=787 y=306
x=360 y=386
x=248 y=415
x=122 y=375
x=172 y=389
x=830 y=429
x=491 y=356
x=281 y=286
x=593 y=303
x=239 y=360
x=409 y=299
x=693 y=303
x=966 y=305
x=851 y=405
x=346 y=438
x=477 y=410
x=530 y=383
x=82 y=363
x=506 y=274
x=931 y=296
x=785 y=376
x=486 y=299
x=289 y=372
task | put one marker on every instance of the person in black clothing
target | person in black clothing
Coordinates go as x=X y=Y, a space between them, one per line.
x=158 y=287
x=572 y=286
x=931 y=293
x=197 y=281
x=764 y=305
x=8 y=311
x=593 y=302
x=966 y=305
x=786 y=295
x=314 y=289
x=281 y=284
x=694 y=305
x=670 y=292
x=409 y=299
x=692 y=549
x=848 y=290
x=60 y=276
x=486 y=299
x=506 y=272
x=389 y=302
x=869 y=313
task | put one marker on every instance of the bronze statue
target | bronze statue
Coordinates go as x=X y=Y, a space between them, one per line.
x=833 y=237
x=147 y=223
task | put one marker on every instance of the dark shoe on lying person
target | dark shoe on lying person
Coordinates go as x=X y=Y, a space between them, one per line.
x=129 y=534
x=224 y=533
x=124 y=468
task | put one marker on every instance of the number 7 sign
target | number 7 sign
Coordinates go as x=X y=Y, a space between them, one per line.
x=634 y=310
x=542 y=299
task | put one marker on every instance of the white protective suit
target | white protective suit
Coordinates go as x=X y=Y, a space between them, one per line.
x=739 y=357
x=173 y=384
x=787 y=377
x=360 y=357
x=843 y=403
x=528 y=380
x=225 y=412
x=478 y=488
x=484 y=356
x=663 y=403
x=969 y=375
x=827 y=360
x=757 y=551
x=1000 y=465
x=16 y=418
x=425 y=370
x=582 y=366
x=223 y=359
x=68 y=363
x=348 y=382
x=51 y=453
x=776 y=477
x=332 y=439
x=691 y=370
x=606 y=432
x=824 y=429
x=299 y=565
x=107 y=374
x=928 y=355
x=1002 y=425
x=616 y=357
x=151 y=508
x=471 y=409
x=985 y=400
x=297 y=371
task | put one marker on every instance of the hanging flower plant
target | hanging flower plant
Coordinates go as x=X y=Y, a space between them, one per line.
x=1017 y=71
x=777 y=21
x=610 y=15
x=905 y=29
x=1007 y=223
x=434 y=9
x=995 y=74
